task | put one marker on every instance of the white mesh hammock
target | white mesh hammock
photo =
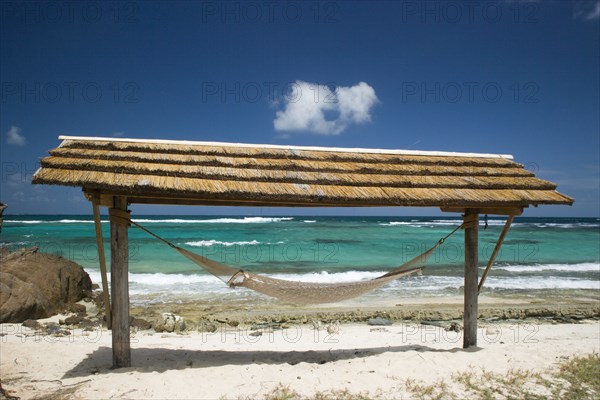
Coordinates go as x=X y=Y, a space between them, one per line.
x=299 y=292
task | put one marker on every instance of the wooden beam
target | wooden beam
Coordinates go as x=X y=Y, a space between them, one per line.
x=119 y=260
x=471 y=220
x=495 y=252
x=514 y=211
x=203 y=199
x=102 y=262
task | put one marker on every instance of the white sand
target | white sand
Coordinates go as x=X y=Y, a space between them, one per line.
x=231 y=363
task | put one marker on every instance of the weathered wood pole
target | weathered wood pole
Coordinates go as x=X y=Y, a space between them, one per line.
x=471 y=220
x=102 y=261
x=119 y=283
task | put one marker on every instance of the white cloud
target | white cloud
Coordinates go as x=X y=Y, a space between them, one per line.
x=586 y=10
x=118 y=134
x=308 y=105
x=19 y=196
x=14 y=137
x=14 y=180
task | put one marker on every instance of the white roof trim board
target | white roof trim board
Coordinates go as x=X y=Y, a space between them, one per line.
x=285 y=147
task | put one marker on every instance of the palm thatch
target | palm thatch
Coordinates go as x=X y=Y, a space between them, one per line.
x=170 y=172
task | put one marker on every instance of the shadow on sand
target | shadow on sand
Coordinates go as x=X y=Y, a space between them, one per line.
x=161 y=360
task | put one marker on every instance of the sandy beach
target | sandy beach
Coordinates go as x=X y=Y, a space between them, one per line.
x=250 y=361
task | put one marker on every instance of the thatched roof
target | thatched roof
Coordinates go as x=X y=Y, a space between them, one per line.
x=181 y=172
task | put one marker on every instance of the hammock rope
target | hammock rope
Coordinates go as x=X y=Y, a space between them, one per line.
x=292 y=291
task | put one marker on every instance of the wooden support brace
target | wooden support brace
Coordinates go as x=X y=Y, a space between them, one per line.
x=102 y=262
x=514 y=211
x=495 y=252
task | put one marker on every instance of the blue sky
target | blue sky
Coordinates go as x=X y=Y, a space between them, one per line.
x=516 y=77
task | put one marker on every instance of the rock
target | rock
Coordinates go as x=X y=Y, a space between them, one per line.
x=37 y=285
x=78 y=309
x=169 y=322
x=73 y=320
x=140 y=323
x=2 y=207
x=379 y=322
x=265 y=325
x=31 y=323
x=54 y=329
x=379 y=330
x=454 y=327
x=207 y=326
x=492 y=331
x=334 y=328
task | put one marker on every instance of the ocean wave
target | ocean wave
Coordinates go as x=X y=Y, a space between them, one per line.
x=244 y=220
x=582 y=267
x=58 y=221
x=541 y=282
x=309 y=221
x=12 y=221
x=428 y=283
x=170 y=287
x=447 y=221
x=411 y=224
x=565 y=225
x=209 y=243
x=159 y=278
x=6 y=244
x=329 y=277
x=491 y=222
x=434 y=223
x=423 y=282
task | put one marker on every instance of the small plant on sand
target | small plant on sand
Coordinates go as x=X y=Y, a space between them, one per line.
x=578 y=378
x=575 y=379
x=344 y=394
x=436 y=391
x=282 y=392
x=515 y=384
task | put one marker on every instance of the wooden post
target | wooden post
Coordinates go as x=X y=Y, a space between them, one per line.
x=471 y=220
x=102 y=261
x=119 y=283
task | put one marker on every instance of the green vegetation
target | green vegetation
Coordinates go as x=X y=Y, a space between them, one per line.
x=574 y=379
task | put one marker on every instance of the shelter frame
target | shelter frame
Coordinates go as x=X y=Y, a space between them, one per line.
x=117 y=172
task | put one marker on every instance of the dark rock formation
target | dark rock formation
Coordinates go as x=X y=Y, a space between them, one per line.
x=37 y=285
x=2 y=207
x=169 y=322
x=140 y=323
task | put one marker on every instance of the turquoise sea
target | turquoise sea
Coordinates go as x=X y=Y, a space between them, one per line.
x=539 y=255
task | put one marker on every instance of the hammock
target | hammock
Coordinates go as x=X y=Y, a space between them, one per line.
x=293 y=291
